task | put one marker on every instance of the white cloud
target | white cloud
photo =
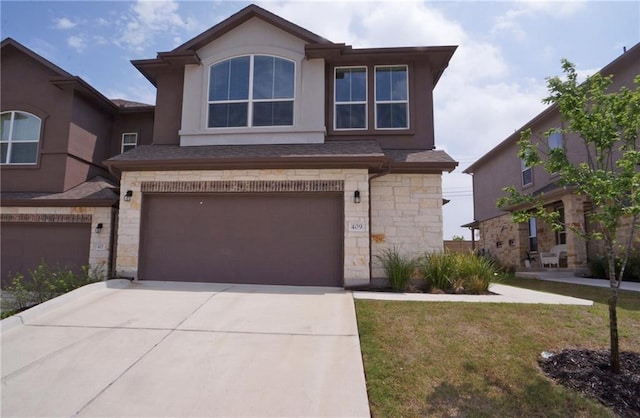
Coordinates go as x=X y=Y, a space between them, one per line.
x=64 y=23
x=511 y=20
x=76 y=42
x=149 y=19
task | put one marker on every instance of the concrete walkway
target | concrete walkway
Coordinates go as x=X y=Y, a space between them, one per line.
x=569 y=277
x=166 y=349
x=504 y=294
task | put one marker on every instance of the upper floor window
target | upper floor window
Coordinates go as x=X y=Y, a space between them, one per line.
x=527 y=173
x=252 y=90
x=350 y=98
x=392 y=97
x=129 y=141
x=555 y=140
x=20 y=135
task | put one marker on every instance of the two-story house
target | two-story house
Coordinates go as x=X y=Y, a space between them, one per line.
x=58 y=200
x=513 y=243
x=280 y=157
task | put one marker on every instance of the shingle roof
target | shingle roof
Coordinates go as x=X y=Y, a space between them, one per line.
x=97 y=191
x=419 y=156
x=129 y=104
x=217 y=152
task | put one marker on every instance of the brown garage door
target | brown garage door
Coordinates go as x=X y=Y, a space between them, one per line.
x=24 y=245
x=293 y=239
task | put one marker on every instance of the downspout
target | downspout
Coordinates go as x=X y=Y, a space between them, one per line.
x=115 y=219
x=371 y=177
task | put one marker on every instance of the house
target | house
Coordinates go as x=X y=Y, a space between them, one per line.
x=280 y=157
x=58 y=201
x=513 y=243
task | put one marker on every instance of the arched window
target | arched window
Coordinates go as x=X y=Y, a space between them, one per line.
x=19 y=137
x=252 y=90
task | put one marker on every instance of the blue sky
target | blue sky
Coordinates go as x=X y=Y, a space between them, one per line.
x=494 y=83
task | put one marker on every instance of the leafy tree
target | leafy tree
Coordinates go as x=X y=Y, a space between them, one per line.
x=457 y=238
x=607 y=124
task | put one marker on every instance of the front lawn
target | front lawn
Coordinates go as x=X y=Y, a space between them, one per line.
x=461 y=359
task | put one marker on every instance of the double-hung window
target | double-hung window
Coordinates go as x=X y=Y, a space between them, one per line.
x=350 y=98
x=555 y=140
x=392 y=97
x=129 y=141
x=527 y=173
x=533 y=234
x=252 y=90
x=19 y=138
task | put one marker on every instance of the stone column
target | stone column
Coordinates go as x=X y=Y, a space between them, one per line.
x=574 y=216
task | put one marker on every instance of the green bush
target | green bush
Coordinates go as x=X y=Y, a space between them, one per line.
x=458 y=272
x=598 y=267
x=46 y=282
x=398 y=268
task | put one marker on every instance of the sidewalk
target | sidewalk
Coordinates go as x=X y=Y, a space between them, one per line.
x=568 y=277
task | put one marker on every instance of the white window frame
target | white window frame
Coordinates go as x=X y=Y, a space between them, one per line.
x=250 y=100
x=376 y=102
x=10 y=141
x=523 y=169
x=554 y=133
x=132 y=146
x=365 y=102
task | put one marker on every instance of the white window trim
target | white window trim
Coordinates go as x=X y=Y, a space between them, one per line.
x=523 y=169
x=556 y=131
x=364 y=102
x=122 y=144
x=376 y=102
x=10 y=140
x=250 y=100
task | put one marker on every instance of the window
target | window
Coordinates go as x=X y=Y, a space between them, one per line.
x=129 y=141
x=351 y=98
x=392 y=98
x=254 y=90
x=19 y=138
x=527 y=173
x=561 y=235
x=533 y=235
x=555 y=140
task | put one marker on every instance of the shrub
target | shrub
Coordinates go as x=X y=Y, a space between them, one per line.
x=398 y=268
x=46 y=282
x=477 y=272
x=598 y=268
x=438 y=270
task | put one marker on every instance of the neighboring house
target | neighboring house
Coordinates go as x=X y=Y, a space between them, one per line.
x=280 y=157
x=58 y=201
x=512 y=243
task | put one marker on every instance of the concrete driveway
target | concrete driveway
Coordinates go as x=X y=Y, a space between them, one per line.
x=185 y=349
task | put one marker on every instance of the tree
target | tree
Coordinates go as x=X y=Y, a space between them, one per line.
x=607 y=124
x=457 y=238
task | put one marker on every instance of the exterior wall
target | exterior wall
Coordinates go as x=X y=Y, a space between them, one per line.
x=505 y=240
x=255 y=37
x=419 y=135
x=406 y=213
x=100 y=250
x=166 y=122
x=126 y=122
x=356 y=241
x=25 y=87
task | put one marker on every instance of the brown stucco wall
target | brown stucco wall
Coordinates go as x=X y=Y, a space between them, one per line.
x=139 y=122
x=168 y=106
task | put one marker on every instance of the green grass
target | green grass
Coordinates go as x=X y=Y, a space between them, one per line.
x=462 y=359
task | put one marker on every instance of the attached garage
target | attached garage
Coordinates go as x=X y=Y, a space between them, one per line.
x=24 y=245
x=252 y=238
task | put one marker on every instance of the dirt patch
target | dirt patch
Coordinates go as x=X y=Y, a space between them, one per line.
x=589 y=372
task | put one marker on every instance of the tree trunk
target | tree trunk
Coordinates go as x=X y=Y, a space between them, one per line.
x=613 y=314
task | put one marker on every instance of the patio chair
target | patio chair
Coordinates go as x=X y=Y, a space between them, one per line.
x=552 y=257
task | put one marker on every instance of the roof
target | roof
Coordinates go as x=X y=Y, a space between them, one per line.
x=17 y=45
x=628 y=56
x=95 y=192
x=337 y=154
x=128 y=104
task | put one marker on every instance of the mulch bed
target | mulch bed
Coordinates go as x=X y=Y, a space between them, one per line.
x=589 y=372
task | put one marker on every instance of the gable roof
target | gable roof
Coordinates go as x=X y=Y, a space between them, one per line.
x=10 y=42
x=628 y=57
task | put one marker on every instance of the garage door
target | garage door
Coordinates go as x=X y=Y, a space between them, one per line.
x=24 y=245
x=292 y=239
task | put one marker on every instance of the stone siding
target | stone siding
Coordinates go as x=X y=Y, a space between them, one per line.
x=99 y=253
x=356 y=241
x=406 y=213
x=505 y=240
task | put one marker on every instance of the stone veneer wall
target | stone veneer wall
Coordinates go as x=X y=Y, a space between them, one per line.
x=356 y=241
x=505 y=240
x=99 y=253
x=406 y=213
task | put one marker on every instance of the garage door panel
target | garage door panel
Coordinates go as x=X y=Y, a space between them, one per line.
x=24 y=245
x=243 y=238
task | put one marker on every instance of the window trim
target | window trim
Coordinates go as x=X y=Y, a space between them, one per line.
x=10 y=140
x=533 y=234
x=376 y=102
x=559 y=133
x=122 y=144
x=250 y=100
x=523 y=169
x=365 y=102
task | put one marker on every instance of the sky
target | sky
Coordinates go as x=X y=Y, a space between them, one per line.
x=494 y=84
